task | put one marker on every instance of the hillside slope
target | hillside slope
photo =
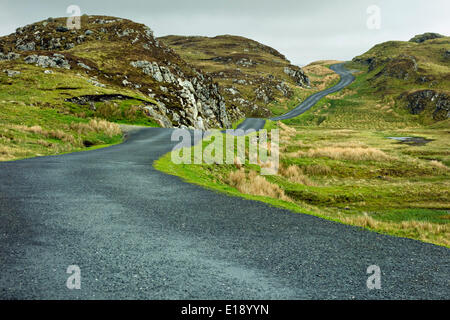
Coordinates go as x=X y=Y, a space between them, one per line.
x=252 y=76
x=415 y=74
x=399 y=84
x=108 y=59
x=361 y=156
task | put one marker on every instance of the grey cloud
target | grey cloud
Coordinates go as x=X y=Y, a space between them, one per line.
x=302 y=30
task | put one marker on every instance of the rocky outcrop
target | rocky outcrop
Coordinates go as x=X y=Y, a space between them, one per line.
x=159 y=114
x=29 y=46
x=264 y=94
x=244 y=62
x=284 y=89
x=251 y=108
x=438 y=103
x=402 y=67
x=55 y=61
x=8 y=57
x=371 y=62
x=202 y=106
x=447 y=55
x=11 y=73
x=426 y=36
x=297 y=74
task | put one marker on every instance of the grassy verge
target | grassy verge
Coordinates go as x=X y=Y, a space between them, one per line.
x=31 y=131
x=357 y=178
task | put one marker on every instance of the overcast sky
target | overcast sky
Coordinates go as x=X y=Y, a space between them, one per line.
x=304 y=31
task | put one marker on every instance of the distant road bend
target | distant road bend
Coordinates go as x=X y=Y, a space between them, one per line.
x=137 y=233
x=346 y=79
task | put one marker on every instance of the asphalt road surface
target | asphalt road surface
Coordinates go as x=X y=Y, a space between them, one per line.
x=137 y=233
x=346 y=78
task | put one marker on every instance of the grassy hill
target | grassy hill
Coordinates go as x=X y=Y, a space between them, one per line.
x=399 y=84
x=253 y=76
x=111 y=69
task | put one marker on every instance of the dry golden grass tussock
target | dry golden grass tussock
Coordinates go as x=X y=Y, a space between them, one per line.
x=80 y=128
x=296 y=154
x=343 y=133
x=286 y=130
x=237 y=163
x=295 y=174
x=318 y=70
x=352 y=154
x=439 y=165
x=286 y=133
x=36 y=130
x=425 y=231
x=325 y=82
x=65 y=137
x=44 y=143
x=109 y=128
x=6 y=153
x=97 y=125
x=53 y=134
x=33 y=129
x=254 y=184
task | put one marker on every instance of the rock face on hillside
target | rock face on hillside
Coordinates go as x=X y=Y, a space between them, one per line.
x=415 y=75
x=437 y=103
x=54 y=61
x=447 y=55
x=402 y=67
x=298 y=75
x=426 y=36
x=9 y=56
x=201 y=103
x=118 y=53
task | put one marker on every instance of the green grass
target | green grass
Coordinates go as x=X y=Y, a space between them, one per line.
x=390 y=193
x=405 y=192
x=17 y=141
x=375 y=102
x=207 y=176
x=415 y=214
x=37 y=99
x=357 y=107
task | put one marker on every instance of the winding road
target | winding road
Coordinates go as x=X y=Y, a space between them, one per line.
x=137 y=233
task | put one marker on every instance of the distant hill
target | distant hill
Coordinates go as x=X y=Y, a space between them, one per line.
x=416 y=74
x=108 y=60
x=252 y=75
x=426 y=36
